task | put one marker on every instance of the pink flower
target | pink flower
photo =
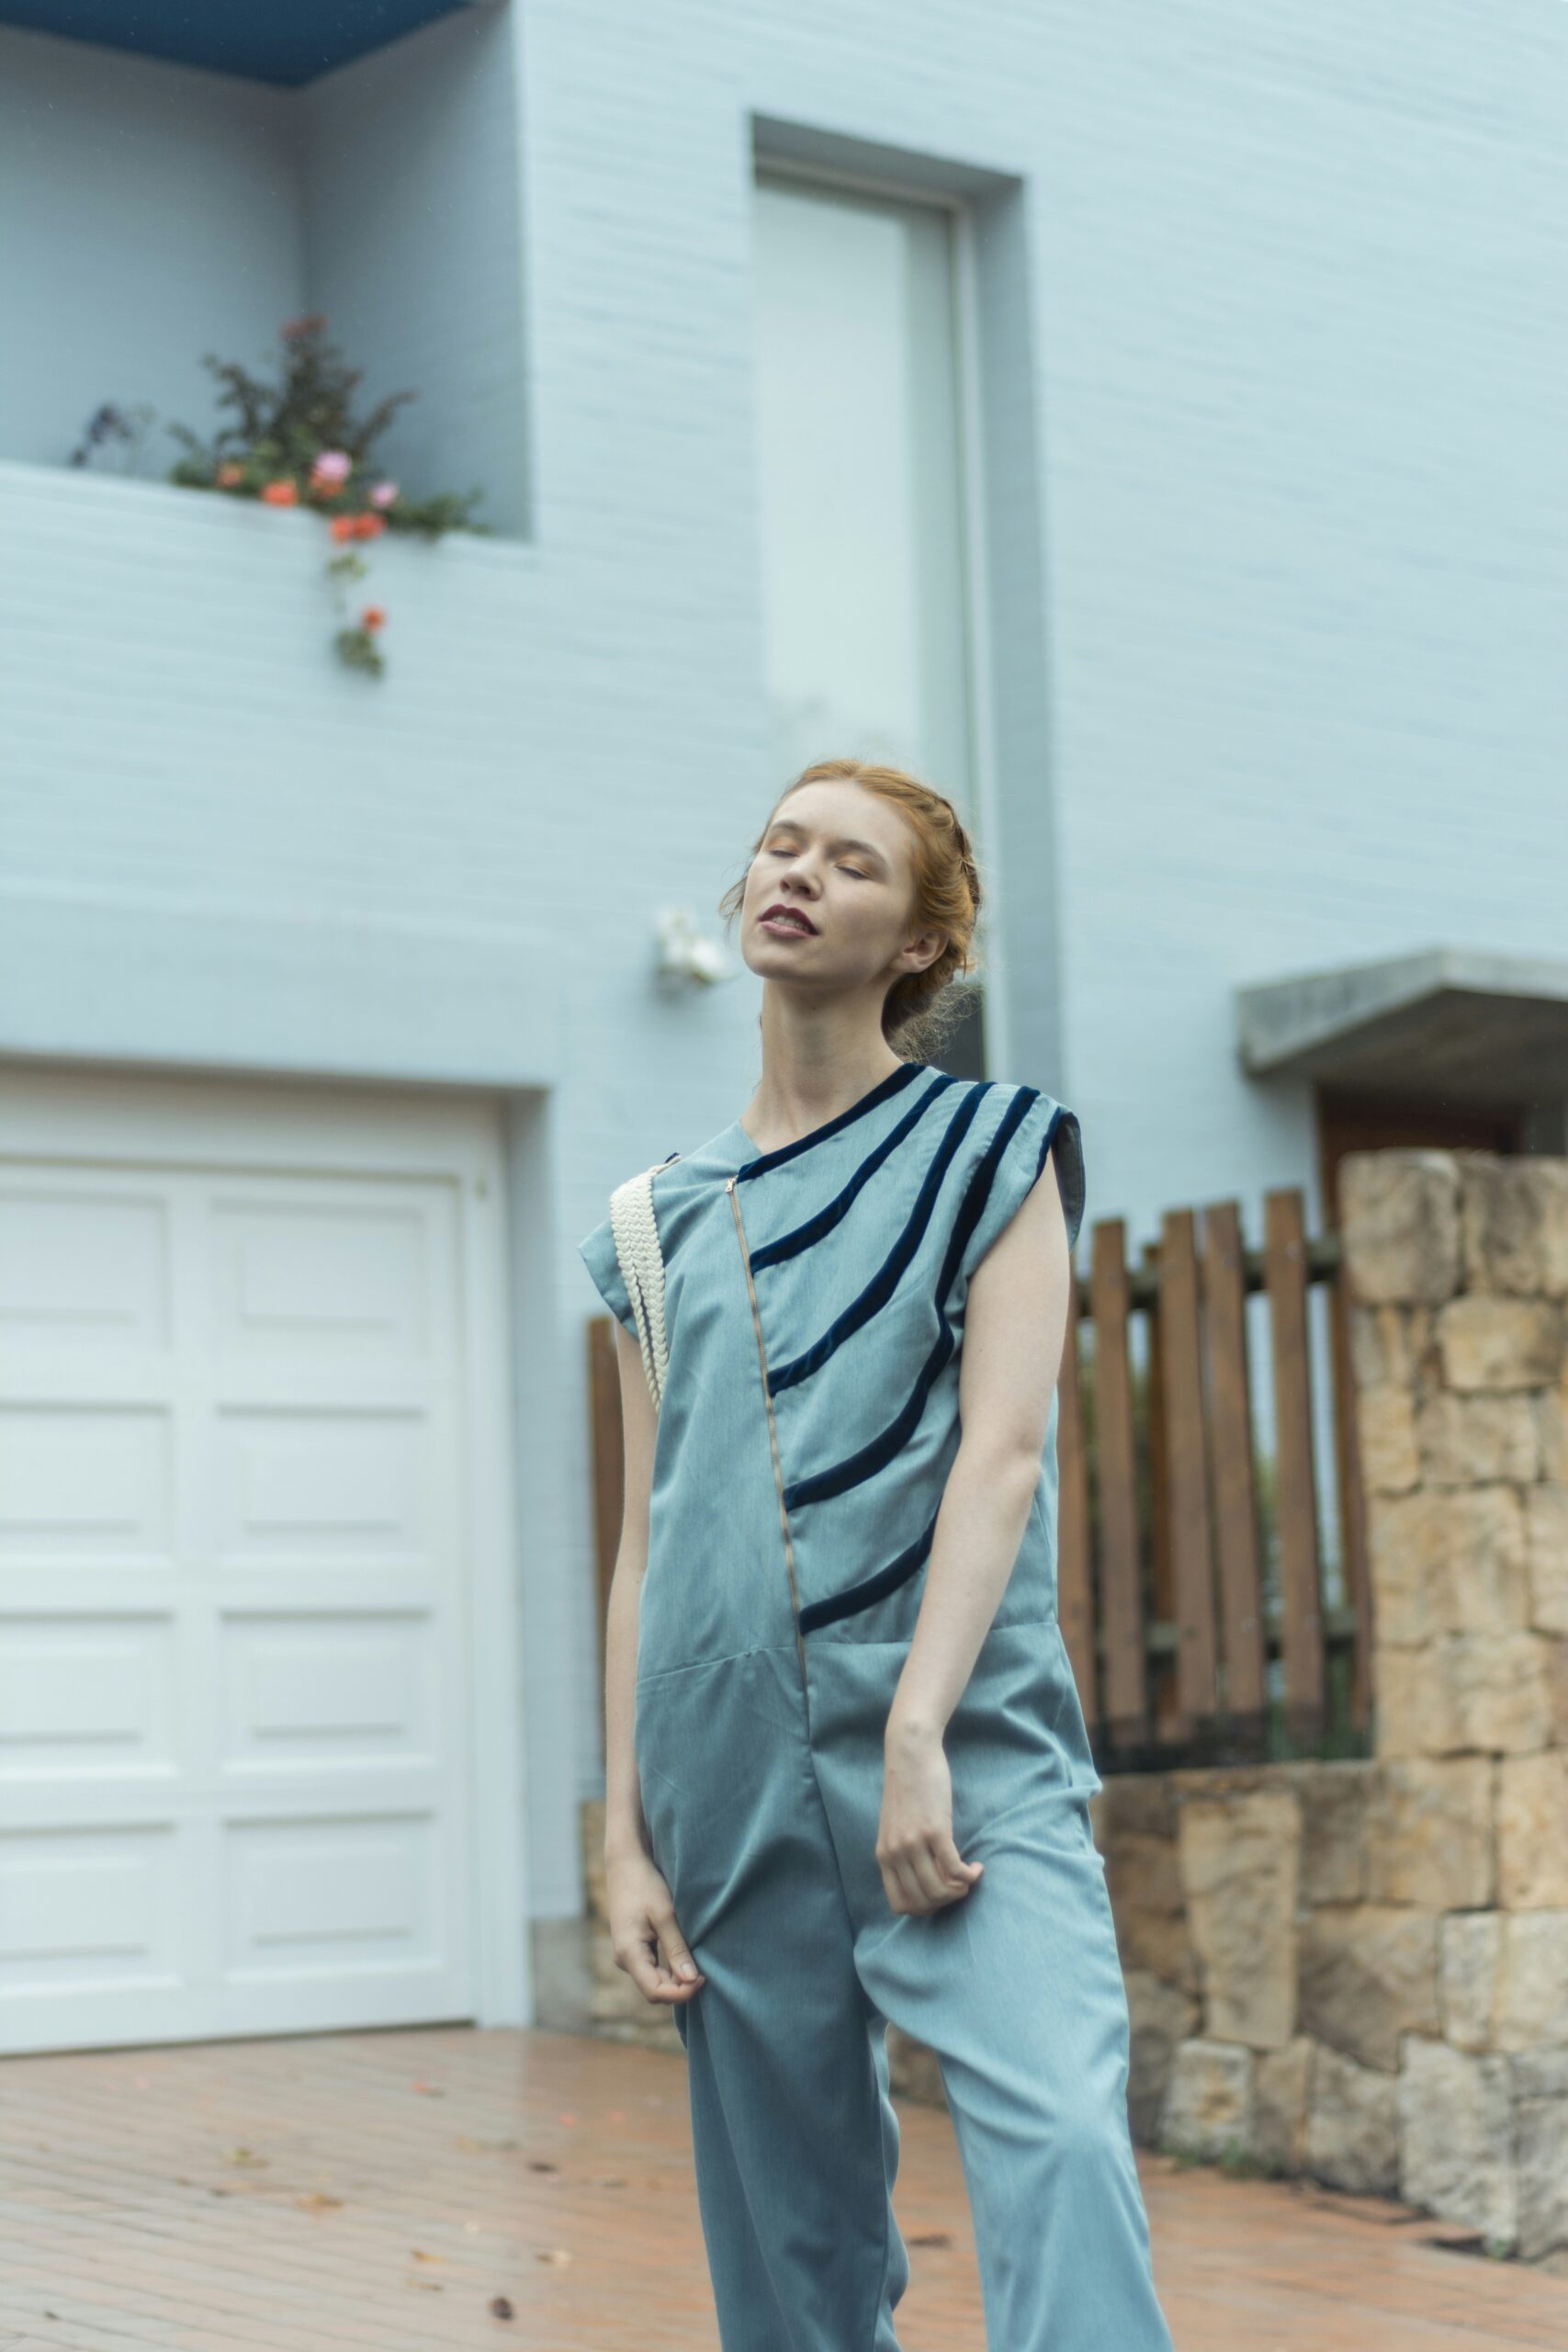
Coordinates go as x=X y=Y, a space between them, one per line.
x=384 y=493
x=333 y=466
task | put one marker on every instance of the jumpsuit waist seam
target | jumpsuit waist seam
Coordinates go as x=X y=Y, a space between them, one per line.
x=825 y=1640
x=725 y=1657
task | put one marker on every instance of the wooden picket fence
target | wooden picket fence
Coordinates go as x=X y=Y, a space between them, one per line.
x=1202 y=1613
x=1192 y=1574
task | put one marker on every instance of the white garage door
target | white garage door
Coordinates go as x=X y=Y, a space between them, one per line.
x=234 y=1538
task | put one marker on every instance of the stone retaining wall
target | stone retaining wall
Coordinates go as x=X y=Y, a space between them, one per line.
x=1359 y=1970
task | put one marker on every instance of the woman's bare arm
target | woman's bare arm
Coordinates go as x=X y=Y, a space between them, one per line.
x=648 y=1940
x=1015 y=1326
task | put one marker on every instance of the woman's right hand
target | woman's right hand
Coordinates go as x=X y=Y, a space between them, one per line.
x=644 y=1931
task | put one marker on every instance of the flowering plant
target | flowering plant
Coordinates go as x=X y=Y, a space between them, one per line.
x=298 y=443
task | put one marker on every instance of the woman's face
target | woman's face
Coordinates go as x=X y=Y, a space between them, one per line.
x=828 y=895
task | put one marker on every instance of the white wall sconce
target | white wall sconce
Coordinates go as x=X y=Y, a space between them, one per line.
x=685 y=953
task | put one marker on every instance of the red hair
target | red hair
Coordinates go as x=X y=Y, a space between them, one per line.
x=921 y=1008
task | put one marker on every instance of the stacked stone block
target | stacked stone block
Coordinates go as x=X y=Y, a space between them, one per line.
x=1360 y=1970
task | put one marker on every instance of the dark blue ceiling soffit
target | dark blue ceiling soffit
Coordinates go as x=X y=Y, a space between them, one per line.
x=286 y=41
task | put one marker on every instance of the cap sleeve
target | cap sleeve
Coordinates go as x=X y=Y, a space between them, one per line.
x=1030 y=1125
x=597 y=1252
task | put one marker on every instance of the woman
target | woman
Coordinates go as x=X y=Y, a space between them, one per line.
x=848 y=1774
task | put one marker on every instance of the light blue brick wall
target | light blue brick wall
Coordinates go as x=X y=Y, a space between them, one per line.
x=151 y=213
x=1274 y=416
x=412 y=248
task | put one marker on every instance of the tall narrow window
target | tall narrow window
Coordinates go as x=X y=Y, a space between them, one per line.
x=862 y=481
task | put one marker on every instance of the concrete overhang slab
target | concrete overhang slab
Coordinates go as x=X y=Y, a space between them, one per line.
x=1462 y=1022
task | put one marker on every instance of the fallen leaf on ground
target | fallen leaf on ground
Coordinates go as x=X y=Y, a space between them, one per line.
x=930 y=2237
x=243 y=2156
x=542 y=2163
x=316 y=2200
x=554 y=2254
x=500 y=2308
x=430 y=2090
x=420 y=2254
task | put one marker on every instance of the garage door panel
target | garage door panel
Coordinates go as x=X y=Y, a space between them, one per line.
x=32 y=1377
x=80 y=1268
x=87 y=1908
x=85 y=1483
x=324 y=1587
x=206 y=1799
x=303 y=1691
x=321 y=1895
x=234 y=1766
x=87 y=1694
x=329 y=1485
x=315 y=1279
x=292 y=1385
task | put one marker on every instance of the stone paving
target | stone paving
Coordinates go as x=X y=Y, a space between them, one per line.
x=418 y=2190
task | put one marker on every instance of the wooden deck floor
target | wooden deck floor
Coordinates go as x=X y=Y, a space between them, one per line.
x=415 y=2191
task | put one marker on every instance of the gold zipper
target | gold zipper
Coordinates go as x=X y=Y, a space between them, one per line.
x=773 y=1426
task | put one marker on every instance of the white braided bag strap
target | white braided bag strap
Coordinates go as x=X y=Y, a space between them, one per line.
x=636 y=1231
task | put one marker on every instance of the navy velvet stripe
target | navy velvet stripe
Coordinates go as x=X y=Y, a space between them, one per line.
x=885 y=1280
x=894 y=1083
x=871 y=1589
x=804 y=1237
x=856 y=1467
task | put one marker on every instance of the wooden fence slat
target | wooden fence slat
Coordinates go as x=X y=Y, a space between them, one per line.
x=1357 y=1591
x=608 y=1460
x=1120 y=1601
x=1075 y=1595
x=1162 y=1585
x=1187 y=1482
x=1230 y=1463
x=1285 y=1265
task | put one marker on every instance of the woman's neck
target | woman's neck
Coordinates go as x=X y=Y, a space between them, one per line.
x=812 y=1072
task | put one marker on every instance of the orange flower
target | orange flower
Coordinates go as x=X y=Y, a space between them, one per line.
x=281 y=494
x=341 y=526
x=373 y=617
x=230 y=473
x=368 y=527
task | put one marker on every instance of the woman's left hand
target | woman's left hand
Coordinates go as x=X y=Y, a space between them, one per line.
x=921 y=1868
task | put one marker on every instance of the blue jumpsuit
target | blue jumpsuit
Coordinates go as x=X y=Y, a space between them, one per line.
x=814 y=1308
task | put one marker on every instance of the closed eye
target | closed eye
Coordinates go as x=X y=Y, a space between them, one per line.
x=791 y=849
